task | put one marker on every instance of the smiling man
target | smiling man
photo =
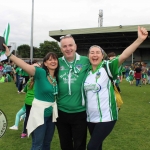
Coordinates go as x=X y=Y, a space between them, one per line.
x=71 y=124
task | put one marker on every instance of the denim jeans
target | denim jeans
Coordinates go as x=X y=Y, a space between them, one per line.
x=138 y=82
x=19 y=82
x=17 y=79
x=42 y=135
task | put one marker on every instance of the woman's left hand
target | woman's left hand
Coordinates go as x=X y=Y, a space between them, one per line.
x=142 y=33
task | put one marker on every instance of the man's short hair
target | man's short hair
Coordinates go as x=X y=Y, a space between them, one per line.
x=111 y=54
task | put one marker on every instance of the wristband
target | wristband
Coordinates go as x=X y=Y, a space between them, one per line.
x=9 y=55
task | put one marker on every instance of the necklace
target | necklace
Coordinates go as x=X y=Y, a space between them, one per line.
x=54 y=83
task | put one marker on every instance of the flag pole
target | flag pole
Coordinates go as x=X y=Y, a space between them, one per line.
x=32 y=19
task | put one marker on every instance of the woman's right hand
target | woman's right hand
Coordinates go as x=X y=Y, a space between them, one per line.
x=7 y=52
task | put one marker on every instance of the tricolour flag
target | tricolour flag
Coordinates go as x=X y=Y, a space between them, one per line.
x=6 y=34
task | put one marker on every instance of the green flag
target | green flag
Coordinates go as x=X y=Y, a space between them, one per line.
x=6 y=34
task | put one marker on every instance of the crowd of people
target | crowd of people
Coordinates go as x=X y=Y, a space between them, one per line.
x=76 y=94
x=139 y=73
x=6 y=72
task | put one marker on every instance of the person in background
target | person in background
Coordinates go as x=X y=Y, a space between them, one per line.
x=71 y=123
x=138 y=75
x=29 y=90
x=8 y=69
x=144 y=76
x=148 y=74
x=21 y=114
x=40 y=124
x=130 y=78
x=123 y=71
x=1 y=67
x=26 y=77
x=127 y=70
x=19 y=78
x=2 y=78
x=7 y=77
x=102 y=112
x=118 y=80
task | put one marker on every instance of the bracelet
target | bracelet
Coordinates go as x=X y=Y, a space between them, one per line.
x=9 y=55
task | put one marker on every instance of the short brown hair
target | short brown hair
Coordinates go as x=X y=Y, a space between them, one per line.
x=111 y=54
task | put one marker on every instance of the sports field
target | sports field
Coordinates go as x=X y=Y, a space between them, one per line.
x=131 y=132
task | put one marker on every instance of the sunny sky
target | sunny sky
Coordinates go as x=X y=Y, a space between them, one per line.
x=67 y=14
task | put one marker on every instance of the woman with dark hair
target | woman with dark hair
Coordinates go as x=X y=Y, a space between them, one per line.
x=41 y=123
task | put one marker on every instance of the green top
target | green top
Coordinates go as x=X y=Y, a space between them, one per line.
x=8 y=77
x=24 y=73
x=119 y=75
x=2 y=79
x=43 y=89
x=69 y=89
x=29 y=93
x=123 y=69
x=19 y=71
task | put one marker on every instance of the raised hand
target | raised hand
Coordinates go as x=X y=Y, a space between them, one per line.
x=7 y=52
x=142 y=33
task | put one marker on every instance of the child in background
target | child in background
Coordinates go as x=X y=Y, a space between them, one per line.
x=7 y=77
x=131 y=77
x=29 y=90
x=144 y=76
x=2 y=78
x=117 y=81
x=19 y=116
x=111 y=56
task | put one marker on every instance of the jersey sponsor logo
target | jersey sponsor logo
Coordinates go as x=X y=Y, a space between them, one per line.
x=72 y=80
x=95 y=88
x=64 y=77
x=79 y=66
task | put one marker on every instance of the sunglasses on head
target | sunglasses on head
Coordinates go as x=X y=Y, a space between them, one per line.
x=65 y=36
x=97 y=47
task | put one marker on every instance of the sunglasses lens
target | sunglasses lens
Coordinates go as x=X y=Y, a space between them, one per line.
x=61 y=37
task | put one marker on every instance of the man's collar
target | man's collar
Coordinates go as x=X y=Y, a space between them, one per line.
x=77 y=57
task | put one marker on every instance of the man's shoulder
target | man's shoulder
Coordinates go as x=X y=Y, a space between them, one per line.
x=84 y=57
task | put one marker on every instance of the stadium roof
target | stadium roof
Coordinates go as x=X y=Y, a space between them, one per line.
x=109 y=38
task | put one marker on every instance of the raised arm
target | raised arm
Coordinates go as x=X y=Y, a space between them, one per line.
x=142 y=35
x=19 y=62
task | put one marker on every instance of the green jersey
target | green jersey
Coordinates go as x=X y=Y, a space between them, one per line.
x=29 y=93
x=19 y=71
x=8 y=77
x=24 y=73
x=2 y=79
x=70 y=78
